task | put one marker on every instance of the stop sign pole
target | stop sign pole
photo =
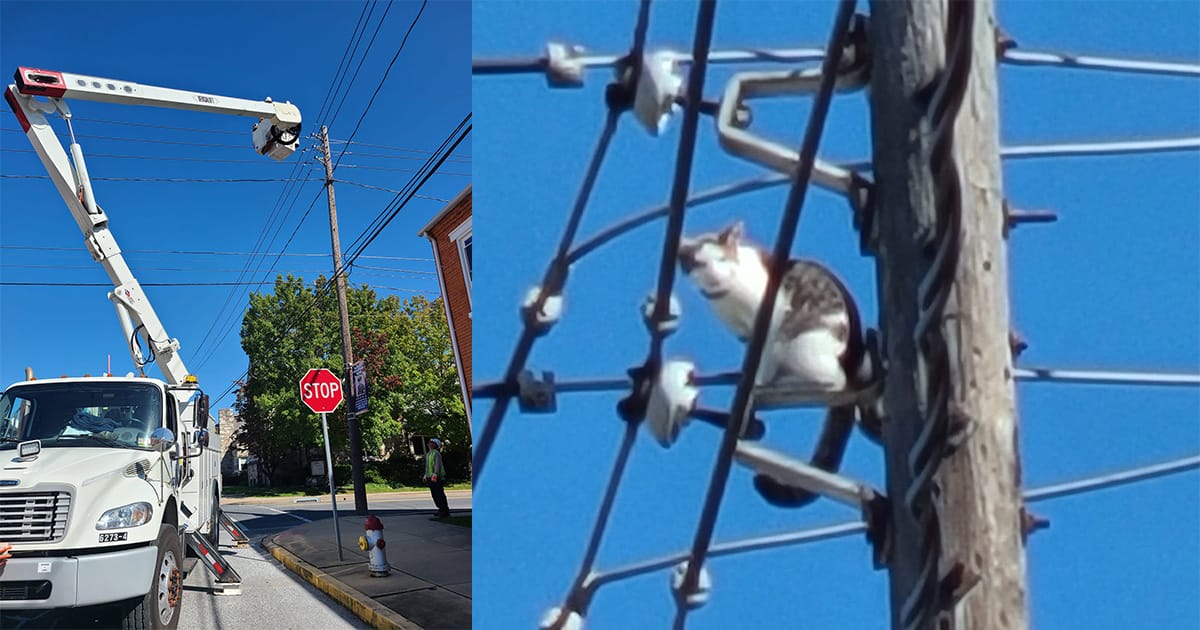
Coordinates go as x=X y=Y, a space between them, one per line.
x=321 y=391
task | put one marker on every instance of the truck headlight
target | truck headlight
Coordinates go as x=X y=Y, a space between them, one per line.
x=130 y=515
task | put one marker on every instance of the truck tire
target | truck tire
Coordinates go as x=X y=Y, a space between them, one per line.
x=159 y=609
x=214 y=523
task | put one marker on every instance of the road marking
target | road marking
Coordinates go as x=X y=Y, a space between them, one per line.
x=286 y=513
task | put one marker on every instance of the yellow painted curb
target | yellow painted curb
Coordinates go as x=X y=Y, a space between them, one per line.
x=379 y=616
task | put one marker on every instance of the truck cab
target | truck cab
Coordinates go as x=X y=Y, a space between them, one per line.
x=100 y=479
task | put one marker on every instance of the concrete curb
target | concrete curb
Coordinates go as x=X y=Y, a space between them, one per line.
x=379 y=616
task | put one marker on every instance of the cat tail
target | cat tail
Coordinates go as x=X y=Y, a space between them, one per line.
x=827 y=455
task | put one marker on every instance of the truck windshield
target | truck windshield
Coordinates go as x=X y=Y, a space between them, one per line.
x=120 y=415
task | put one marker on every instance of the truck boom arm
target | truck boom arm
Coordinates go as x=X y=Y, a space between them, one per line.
x=277 y=134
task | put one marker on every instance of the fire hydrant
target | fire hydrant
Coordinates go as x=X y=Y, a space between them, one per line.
x=374 y=542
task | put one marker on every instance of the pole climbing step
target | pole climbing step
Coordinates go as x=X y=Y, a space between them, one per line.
x=231 y=526
x=228 y=580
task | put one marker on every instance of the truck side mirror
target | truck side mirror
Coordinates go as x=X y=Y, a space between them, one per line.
x=162 y=439
x=202 y=412
x=202 y=438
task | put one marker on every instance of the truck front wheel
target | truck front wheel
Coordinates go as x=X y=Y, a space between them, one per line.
x=159 y=609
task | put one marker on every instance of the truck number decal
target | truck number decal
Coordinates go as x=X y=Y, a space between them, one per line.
x=117 y=537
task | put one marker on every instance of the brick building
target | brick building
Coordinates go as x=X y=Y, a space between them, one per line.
x=449 y=233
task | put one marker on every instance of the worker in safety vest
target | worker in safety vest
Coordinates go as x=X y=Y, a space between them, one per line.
x=435 y=476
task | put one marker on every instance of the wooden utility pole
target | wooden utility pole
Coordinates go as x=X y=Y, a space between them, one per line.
x=356 y=455
x=979 y=498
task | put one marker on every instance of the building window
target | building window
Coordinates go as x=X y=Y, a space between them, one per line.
x=466 y=248
x=461 y=236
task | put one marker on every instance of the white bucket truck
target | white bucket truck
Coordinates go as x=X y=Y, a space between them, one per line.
x=104 y=481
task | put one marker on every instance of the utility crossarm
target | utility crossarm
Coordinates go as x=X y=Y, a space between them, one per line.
x=276 y=134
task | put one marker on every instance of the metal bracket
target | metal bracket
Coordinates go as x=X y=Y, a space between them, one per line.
x=877 y=514
x=1031 y=523
x=788 y=395
x=536 y=396
x=1014 y=217
x=794 y=472
x=733 y=121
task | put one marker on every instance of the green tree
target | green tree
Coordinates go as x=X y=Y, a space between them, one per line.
x=405 y=346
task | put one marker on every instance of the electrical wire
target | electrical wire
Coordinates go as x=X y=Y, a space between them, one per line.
x=175 y=180
x=458 y=135
x=530 y=65
x=399 y=170
x=851 y=528
x=385 y=146
x=388 y=190
x=201 y=253
x=367 y=51
x=382 y=79
x=158 y=158
x=785 y=236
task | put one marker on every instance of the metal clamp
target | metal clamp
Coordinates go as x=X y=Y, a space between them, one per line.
x=672 y=399
x=698 y=597
x=564 y=65
x=534 y=395
x=657 y=89
x=668 y=324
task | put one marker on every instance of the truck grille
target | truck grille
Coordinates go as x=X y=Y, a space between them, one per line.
x=33 y=516
x=25 y=589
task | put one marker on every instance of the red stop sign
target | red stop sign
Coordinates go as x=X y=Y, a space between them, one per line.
x=321 y=390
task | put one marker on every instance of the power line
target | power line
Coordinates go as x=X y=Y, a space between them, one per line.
x=175 y=180
x=153 y=126
x=408 y=273
x=158 y=158
x=411 y=186
x=465 y=160
x=383 y=79
x=144 y=284
x=339 y=74
x=851 y=528
x=1079 y=149
x=201 y=253
x=361 y=59
x=535 y=65
x=399 y=170
x=233 y=313
x=388 y=190
x=458 y=135
x=1033 y=375
x=149 y=140
x=384 y=146
x=425 y=273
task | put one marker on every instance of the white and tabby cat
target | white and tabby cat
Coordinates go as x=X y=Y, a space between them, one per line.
x=815 y=340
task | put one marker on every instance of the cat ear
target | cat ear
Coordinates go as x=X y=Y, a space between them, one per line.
x=731 y=238
x=732 y=234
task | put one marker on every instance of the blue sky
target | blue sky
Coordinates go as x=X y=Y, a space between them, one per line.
x=1115 y=284
x=288 y=51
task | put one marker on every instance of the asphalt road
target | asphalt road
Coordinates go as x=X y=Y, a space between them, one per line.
x=272 y=596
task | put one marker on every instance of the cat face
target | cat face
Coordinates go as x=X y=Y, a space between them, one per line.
x=712 y=260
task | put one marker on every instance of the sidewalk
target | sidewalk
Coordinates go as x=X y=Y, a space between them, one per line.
x=430 y=584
